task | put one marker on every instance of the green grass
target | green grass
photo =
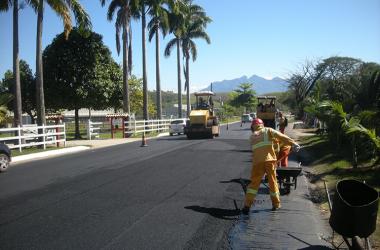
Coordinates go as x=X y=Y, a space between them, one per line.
x=230 y=119
x=331 y=164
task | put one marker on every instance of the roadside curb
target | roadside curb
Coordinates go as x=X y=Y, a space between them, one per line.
x=50 y=153
x=73 y=149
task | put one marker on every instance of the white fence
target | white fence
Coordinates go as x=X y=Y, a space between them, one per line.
x=28 y=136
x=143 y=126
x=93 y=129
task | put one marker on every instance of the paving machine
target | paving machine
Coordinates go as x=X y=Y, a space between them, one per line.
x=266 y=110
x=203 y=122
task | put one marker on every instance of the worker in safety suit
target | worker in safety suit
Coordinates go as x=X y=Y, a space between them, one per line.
x=264 y=161
x=281 y=123
x=283 y=153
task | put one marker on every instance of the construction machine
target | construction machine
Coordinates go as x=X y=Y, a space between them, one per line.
x=203 y=122
x=267 y=111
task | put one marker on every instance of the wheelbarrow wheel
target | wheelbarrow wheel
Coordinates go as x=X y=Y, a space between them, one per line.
x=287 y=189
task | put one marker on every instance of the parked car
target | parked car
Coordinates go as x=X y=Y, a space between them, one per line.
x=5 y=157
x=177 y=127
x=253 y=115
x=246 y=118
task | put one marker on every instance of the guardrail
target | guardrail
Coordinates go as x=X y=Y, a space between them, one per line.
x=29 y=136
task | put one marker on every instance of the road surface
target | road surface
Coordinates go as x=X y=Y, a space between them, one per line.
x=174 y=194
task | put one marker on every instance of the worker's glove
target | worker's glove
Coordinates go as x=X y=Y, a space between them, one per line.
x=296 y=147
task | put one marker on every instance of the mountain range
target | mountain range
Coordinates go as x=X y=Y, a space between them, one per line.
x=260 y=84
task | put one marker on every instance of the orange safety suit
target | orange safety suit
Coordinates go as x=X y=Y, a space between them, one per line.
x=282 y=158
x=282 y=124
x=264 y=159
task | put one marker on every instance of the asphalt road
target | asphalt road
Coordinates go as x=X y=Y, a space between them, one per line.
x=174 y=194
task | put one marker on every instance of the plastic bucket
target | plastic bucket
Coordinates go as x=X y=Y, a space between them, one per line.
x=354 y=210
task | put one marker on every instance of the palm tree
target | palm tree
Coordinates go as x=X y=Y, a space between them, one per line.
x=4 y=6
x=141 y=13
x=176 y=26
x=63 y=9
x=124 y=11
x=158 y=22
x=195 y=23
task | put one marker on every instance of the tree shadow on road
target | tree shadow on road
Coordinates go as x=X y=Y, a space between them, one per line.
x=220 y=213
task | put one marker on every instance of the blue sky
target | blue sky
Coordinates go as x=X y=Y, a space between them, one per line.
x=264 y=37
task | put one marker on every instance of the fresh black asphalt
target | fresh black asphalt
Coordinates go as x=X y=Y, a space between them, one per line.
x=174 y=194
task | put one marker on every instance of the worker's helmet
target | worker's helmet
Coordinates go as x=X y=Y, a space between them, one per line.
x=257 y=121
x=257 y=124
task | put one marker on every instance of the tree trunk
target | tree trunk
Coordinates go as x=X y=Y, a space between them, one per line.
x=179 y=78
x=77 y=131
x=188 y=85
x=126 y=105
x=39 y=72
x=145 y=81
x=17 y=120
x=158 y=83
x=354 y=152
x=32 y=120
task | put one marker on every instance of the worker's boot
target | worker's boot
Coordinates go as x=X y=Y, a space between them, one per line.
x=245 y=210
x=276 y=207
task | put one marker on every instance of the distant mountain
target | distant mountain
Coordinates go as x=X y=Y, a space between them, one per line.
x=260 y=84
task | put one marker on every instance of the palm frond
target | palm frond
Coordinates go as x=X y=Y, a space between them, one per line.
x=193 y=50
x=102 y=2
x=200 y=34
x=82 y=18
x=5 y=98
x=169 y=47
x=112 y=8
x=62 y=11
x=152 y=27
x=118 y=26
x=369 y=133
x=5 y=5
x=33 y=3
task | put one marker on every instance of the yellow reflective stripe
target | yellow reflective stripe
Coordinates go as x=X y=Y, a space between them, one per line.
x=261 y=144
x=251 y=191
x=264 y=143
x=265 y=135
x=274 y=194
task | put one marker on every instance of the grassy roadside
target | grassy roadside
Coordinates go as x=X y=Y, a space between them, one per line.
x=331 y=165
x=32 y=150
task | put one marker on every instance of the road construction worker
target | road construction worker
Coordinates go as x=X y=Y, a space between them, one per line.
x=264 y=161
x=282 y=123
x=283 y=153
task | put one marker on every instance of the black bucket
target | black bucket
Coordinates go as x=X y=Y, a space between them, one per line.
x=354 y=210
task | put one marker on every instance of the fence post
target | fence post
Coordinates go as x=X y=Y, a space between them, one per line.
x=64 y=130
x=44 y=135
x=89 y=129
x=19 y=138
x=134 y=126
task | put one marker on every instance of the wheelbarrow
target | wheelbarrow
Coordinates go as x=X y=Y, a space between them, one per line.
x=354 y=212
x=287 y=177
